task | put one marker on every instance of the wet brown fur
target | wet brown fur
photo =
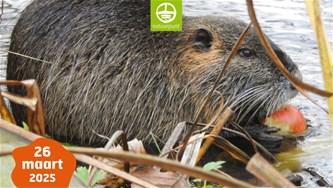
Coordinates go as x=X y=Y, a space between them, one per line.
x=108 y=72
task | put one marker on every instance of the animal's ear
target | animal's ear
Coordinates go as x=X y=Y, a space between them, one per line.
x=203 y=39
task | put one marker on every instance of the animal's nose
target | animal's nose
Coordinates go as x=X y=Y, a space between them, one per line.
x=285 y=59
x=289 y=64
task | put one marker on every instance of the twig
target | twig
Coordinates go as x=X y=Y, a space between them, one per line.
x=89 y=160
x=108 y=146
x=233 y=150
x=25 y=56
x=5 y=152
x=4 y=111
x=259 y=167
x=320 y=179
x=255 y=148
x=18 y=130
x=216 y=130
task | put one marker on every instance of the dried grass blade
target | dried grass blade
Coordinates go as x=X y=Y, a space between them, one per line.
x=108 y=146
x=18 y=130
x=234 y=151
x=259 y=167
x=324 y=49
x=11 y=83
x=172 y=139
x=4 y=111
x=18 y=99
x=216 y=130
x=91 y=161
x=192 y=150
x=35 y=114
x=35 y=118
x=29 y=57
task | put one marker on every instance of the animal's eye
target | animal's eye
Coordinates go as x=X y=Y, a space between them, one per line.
x=245 y=52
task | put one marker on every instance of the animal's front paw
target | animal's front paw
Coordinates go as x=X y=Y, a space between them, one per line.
x=263 y=134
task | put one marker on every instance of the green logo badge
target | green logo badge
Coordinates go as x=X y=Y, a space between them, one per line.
x=166 y=15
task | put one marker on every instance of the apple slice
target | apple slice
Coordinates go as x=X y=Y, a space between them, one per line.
x=289 y=119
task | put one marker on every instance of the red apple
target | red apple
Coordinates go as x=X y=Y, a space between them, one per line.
x=288 y=118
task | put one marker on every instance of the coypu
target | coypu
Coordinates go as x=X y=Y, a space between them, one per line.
x=108 y=72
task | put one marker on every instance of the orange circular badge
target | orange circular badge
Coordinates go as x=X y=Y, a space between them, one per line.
x=43 y=163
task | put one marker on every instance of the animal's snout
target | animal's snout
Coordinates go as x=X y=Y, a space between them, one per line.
x=288 y=63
